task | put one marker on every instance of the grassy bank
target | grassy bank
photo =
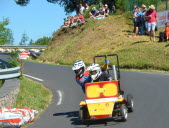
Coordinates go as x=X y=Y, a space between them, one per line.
x=33 y=95
x=107 y=36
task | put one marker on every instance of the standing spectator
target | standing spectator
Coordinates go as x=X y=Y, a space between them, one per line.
x=86 y=6
x=138 y=17
x=151 y=16
x=134 y=19
x=81 y=9
x=167 y=30
x=144 y=20
x=107 y=11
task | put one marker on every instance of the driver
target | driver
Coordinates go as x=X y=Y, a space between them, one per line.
x=82 y=74
x=97 y=74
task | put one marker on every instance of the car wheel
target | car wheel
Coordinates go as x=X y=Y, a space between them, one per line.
x=130 y=103
x=123 y=112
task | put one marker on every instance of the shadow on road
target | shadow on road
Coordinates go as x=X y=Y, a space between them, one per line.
x=75 y=120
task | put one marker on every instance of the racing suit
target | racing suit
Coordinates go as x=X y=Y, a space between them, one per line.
x=83 y=79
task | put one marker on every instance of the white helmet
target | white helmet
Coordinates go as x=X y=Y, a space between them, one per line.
x=79 y=67
x=95 y=71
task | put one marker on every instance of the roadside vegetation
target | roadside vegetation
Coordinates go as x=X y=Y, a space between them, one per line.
x=33 y=95
x=107 y=36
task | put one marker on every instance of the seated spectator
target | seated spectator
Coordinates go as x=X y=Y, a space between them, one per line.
x=81 y=18
x=100 y=6
x=86 y=6
x=91 y=16
x=102 y=11
x=113 y=9
x=81 y=9
x=107 y=11
x=94 y=11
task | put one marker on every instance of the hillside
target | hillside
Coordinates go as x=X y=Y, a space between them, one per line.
x=106 y=36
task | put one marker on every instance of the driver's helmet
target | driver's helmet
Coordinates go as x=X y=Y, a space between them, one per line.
x=79 y=67
x=95 y=71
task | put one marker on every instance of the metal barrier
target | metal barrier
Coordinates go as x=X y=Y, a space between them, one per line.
x=9 y=73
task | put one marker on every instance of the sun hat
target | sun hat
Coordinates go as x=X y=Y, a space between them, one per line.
x=143 y=6
x=105 y=4
x=151 y=7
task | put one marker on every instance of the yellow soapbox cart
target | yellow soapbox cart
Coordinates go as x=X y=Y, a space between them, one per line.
x=104 y=100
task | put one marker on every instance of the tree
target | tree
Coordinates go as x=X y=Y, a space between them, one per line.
x=24 y=39
x=69 y=5
x=6 y=36
x=42 y=41
x=31 y=42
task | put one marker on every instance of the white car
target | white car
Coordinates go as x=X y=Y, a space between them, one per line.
x=2 y=50
x=34 y=50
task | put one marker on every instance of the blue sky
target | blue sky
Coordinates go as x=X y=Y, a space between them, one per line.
x=39 y=18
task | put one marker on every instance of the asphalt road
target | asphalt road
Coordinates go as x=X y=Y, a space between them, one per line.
x=150 y=91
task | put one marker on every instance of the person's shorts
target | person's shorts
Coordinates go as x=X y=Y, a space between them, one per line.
x=151 y=26
x=138 y=24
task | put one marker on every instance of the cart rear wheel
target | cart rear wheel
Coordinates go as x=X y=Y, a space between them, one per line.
x=81 y=117
x=123 y=111
x=130 y=103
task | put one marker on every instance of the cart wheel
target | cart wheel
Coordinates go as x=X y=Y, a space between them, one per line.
x=81 y=117
x=130 y=103
x=123 y=111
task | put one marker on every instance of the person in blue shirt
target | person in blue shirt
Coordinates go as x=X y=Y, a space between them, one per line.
x=138 y=17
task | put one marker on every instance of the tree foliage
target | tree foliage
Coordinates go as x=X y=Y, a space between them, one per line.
x=42 y=41
x=6 y=36
x=24 y=39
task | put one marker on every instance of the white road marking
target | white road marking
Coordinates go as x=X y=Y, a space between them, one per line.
x=33 y=77
x=60 y=97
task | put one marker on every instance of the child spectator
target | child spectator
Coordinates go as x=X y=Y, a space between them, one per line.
x=167 y=30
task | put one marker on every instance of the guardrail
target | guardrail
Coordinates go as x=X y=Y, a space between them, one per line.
x=9 y=73
x=22 y=46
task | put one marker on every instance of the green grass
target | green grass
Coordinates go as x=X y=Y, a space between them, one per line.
x=107 y=36
x=1 y=83
x=33 y=95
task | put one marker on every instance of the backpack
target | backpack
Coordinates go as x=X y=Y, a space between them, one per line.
x=162 y=37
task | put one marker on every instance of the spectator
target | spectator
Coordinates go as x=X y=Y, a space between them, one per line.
x=107 y=11
x=100 y=6
x=81 y=9
x=91 y=16
x=167 y=30
x=81 y=18
x=144 y=20
x=94 y=11
x=86 y=6
x=113 y=9
x=138 y=17
x=134 y=19
x=151 y=16
x=102 y=11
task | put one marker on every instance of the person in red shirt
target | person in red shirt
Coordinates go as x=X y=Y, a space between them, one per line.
x=151 y=16
x=81 y=18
